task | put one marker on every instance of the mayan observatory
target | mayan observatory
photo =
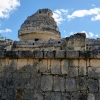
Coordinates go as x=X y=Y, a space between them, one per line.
x=44 y=66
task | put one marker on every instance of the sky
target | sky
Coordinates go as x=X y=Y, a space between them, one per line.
x=72 y=16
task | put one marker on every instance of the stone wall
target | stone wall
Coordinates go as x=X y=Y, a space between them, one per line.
x=50 y=75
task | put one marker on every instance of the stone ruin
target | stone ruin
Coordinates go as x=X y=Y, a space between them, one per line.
x=44 y=66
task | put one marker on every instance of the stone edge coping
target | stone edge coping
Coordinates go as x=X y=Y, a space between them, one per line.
x=71 y=54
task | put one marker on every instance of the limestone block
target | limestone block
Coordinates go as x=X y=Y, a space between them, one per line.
x=94 y=72
x=70 y=84
x=66 y=96
x=46 y=83
x=81 y=83
x=64 y=66
x=17 y=75
x=37 y=81
x=55 y=66
x=21 y=63
x=82 y=67
x=73 y=71
x=43 y=65
x=59 y=84
x=26 y=75
x=19 y=83
x=79 y=96
x=2 y=65
x=25 y=54
x=91 y=96
x=60 y=54
x=2 y=54
x=48 y=54
x=97 y=96
x=72 y=54
x=86 y=54
x=93 y=85
x=29 y=83
x=38 y=54
x=38 y=96
x=12 y=54
x=55 y=96
x=11 y=65
x=95 y=62
x=47 y=96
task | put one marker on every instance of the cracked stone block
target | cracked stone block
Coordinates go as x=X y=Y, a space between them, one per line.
x=46 y=82
x=93 y=85
x=70 y=84
x=55 y=67
x=59 y=84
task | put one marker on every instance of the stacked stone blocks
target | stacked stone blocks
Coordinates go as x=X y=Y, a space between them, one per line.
x=43 y=78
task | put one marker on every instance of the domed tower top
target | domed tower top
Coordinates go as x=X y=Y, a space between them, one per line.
x=39 y=26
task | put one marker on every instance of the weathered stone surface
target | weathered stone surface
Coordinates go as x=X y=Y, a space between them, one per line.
x=46 y=83
x=64 y=66
x=97 y=96
x=60 y=54
x=72 y=54
x=82 y=67
x=94 y=72
x=43 y=65
x=48 y=54
x=38 y=96
x=79 y=96
x=55 y=96
x=91 y=96
x=81 y=83
x=55 y=67
x=59 y=84
x=47 y=96
x=93 y=85
x=38 y=54
x=73 y=71
x=70 y=84
x=66 y=96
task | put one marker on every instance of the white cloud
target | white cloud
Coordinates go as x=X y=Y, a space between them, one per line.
x=71 y=33
x=7 y=6
x=58 y=15
x=96 y=35
x=91 y=34
x=82 y=13
x=5 y=31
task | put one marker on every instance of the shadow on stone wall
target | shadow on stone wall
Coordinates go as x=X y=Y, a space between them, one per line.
x=49 y=79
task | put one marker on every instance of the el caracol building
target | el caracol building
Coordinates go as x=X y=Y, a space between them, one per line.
x=44 y=66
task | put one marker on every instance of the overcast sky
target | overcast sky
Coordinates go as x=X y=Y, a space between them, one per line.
x=72 y=16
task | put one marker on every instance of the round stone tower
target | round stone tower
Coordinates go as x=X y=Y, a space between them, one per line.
x=39 y=26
